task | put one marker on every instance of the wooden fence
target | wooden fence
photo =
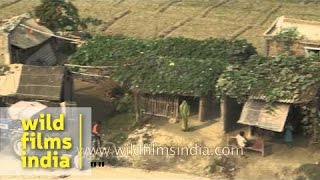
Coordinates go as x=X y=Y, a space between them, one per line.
x=90 y=73
x=159 y=105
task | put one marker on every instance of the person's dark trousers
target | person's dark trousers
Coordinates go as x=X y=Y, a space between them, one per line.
x=249 y=144
x=98 y=141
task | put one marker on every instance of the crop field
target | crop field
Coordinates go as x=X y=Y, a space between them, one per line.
x=198 y=19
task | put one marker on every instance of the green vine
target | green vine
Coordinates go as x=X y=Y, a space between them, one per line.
x=169 y=65
x=109 y=50
x=291 y=78
x=167 y=75
x=310 y=117
x=287 y=37
x=58 y=15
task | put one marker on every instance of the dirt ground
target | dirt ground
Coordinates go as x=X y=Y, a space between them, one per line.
x=281 y=164
x=130 y=173
x=92 y=94
x=115 y=173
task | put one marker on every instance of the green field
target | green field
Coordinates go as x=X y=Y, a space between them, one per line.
x=223 y=21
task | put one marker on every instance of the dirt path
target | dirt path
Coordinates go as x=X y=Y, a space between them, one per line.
x=114 y=173
x=130 y=173
x=89 y=94
x=279 y=165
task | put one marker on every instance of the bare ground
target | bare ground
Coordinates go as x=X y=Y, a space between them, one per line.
x=281 y=164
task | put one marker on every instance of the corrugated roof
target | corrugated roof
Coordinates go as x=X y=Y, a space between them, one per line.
x=45 y=56
x=256 y=113
x=24 y=38
x=21 y=36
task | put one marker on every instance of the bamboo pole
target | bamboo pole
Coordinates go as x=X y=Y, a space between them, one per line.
x=203 y=108
x=137 y=106
x=223 y=112
x=176 y=107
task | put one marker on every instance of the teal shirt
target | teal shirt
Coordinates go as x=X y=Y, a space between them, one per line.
x=288 y=134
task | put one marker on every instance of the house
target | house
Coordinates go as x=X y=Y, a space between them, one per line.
x=258 y=118
x=23 y=40
x=32 y=83
x=272 y=97
x=254 y=112
x=308 y=44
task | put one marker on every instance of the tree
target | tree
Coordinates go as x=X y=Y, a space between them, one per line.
x=58 y=15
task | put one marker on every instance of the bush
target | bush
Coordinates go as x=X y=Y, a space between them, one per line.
x=58 y=15
x=110 y=50
x=170 y=65
x=123 y=104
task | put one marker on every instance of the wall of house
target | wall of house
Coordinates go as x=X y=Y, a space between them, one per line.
x=4 y=49
x=230 y=113
x=209 y=108
x=43 y=54
x=67 y=92
x=298 y=48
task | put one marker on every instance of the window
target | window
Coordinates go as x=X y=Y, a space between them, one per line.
x=311 y=51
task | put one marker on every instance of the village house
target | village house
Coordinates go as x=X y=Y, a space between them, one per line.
x=256 y=117
x=23 y=40
x=308 y=44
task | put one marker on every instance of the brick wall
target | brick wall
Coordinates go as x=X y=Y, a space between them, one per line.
x=298 y=48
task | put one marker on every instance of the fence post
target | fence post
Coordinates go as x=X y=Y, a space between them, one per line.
x=137 y=106
x=203 y=108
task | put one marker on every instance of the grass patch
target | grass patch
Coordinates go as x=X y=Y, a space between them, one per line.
x=118 y=127
x=309 y=171
x=143 y=22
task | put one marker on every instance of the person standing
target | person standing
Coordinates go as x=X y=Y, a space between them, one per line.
x=288 y=129
x=96 y=131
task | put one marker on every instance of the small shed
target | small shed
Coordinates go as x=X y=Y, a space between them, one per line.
x=257 y=112
x=27 y=82
x=307 y=45
x=23 y=40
